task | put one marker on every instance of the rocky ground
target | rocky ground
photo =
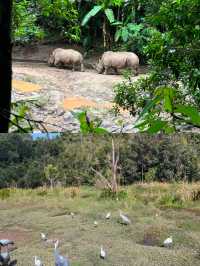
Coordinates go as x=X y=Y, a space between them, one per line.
x=62 y=91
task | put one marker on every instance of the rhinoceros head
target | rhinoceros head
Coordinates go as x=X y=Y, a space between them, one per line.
x=99 y=66
x=51 y=60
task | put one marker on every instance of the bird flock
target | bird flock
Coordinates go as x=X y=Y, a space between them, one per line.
x=61 y=260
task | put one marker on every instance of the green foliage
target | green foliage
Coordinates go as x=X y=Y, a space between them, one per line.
x=25 y=28
x=20 y=119
x=35 y=20
x=171 y=201
x=61 y=16
x=108 y=194
x=169 y=96
x=75 y=159
x=91 y=14
x=105 y=6
x=127 y=31
x=51 y=174
x=88 y=126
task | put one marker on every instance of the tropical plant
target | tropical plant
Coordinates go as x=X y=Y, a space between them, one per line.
x=34 y=20
x=127 y=31
x=105 y=8
x=87 y=125
x=169 y=95
x=24 y=26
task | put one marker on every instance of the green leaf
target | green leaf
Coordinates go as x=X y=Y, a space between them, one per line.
x=148 y=107
x=118 y=35
x=135 y=27
x=168 y=98
x=110 y=15
x=90 y=14
x=124 y=34
x=117 y=23
x=100 y=130
x=190 y=111
x=141 y=126
x=168 y=129
x=156 y=126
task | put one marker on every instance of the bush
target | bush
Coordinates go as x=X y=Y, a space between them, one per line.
x=25 y=28
x=171 y=92
x=108 y=194
x=35 y=20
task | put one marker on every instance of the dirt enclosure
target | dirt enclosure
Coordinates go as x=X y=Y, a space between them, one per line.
x=60 y=91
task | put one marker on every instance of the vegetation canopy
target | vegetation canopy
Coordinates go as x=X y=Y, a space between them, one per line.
x=100 y=160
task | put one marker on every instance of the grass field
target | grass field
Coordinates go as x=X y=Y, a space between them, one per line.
x=156 y=211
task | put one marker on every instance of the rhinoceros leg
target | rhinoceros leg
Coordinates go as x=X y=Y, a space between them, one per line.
x=82 y=67
x=106 y=70
x=136 y=70
x=56 y=63
x=73 y=68
x=116 y=71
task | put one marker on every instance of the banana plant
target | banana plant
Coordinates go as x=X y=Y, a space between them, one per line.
x=105 y=8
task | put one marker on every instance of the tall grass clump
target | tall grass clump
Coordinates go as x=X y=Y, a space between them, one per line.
x=4 y=193
x=171 y=201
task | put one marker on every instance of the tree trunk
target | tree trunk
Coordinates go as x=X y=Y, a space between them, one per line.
x=115 y=160
x=51 y=183
x=104 y=33
x=5 y=64
x=136 y=11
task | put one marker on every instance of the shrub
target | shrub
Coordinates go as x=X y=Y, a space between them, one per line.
x=34 y=20
x=25 y=28
x=109 y=194
x=171 y=94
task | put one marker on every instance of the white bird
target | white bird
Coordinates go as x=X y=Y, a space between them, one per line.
x=4 y=258
x=102 y=253
x=168 y=242
x=6 y=242
x=38 y=262
x=43 y=236
x=95 y=223
x=59 y=259
x=125 y=219
x=72 y=214
x=108 y=215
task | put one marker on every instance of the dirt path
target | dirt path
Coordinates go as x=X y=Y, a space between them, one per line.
x=63 y=91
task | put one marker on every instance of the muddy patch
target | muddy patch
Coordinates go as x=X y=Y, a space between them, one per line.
x=152 y=237
x=17 y=234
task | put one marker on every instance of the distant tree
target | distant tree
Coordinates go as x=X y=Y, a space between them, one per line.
x=51 y=174
x=5 y=64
